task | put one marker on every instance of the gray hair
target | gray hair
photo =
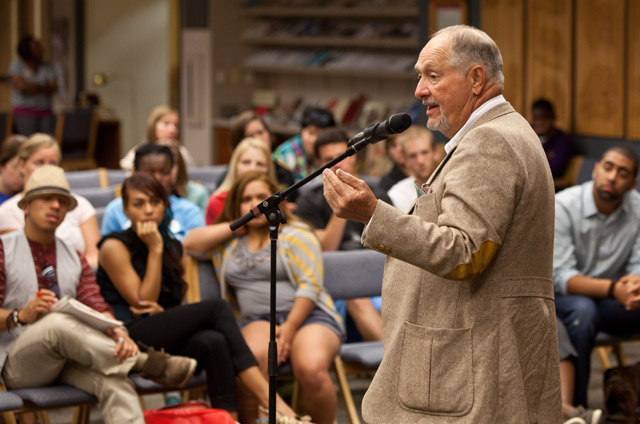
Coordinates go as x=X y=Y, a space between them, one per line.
x=471 y=46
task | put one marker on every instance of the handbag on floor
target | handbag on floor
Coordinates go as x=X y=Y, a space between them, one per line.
x=621 y=394
x=188 y=413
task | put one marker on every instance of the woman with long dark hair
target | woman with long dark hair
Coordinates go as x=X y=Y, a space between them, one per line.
x=309 y=329
x=140 y=276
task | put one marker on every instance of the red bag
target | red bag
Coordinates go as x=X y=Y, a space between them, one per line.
x=188 y=413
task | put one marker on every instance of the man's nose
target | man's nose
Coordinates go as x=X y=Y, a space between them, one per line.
x=422 y=91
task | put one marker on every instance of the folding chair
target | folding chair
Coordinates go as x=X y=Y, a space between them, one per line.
x=88 y=178
x=348 y=275
x=208 y=176
x=77 y=131
x=41 y=399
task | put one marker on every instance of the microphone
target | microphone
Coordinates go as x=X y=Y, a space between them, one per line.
x=394 y=125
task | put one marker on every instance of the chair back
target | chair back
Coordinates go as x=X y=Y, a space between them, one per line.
x=76 y=131
x=98 y=197
x=88 y=178
x=200 y=276
x=586 y=170
x=209 y=176
x=350 y=274
x=116 y=177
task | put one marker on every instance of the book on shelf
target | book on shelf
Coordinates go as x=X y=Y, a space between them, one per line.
x=353 y=111
x=91 y=317
x=373 y=111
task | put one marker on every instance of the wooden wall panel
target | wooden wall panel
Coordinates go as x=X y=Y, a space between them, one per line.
x=502 y=20
x=599 y=68
x=633 y=66
x=548 y=57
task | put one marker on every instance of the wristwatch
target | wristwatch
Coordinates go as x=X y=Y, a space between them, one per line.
x=13 y=317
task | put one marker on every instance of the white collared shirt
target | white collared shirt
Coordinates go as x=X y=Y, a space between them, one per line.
x=484 y=108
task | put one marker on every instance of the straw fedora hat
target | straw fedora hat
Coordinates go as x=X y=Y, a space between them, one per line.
x=47 y=180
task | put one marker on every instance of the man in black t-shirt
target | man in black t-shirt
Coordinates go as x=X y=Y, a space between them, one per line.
x=336 y=233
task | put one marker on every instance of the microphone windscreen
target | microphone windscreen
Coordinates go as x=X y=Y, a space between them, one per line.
x=399 y=123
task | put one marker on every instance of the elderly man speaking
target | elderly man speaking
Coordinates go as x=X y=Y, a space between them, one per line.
x=467 y=297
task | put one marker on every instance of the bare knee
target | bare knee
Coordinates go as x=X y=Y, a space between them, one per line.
x=311 y=375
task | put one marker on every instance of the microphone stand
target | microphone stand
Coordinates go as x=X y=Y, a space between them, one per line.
x=270 y=208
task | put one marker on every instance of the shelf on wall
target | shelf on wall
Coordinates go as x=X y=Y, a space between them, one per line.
x=356 y=73
x=333 y=12
x=374 y=43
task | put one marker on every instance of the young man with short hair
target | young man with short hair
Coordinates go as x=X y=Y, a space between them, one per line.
x=39 y=347
x=420 y=159
x=596 y=258
x=336 y=233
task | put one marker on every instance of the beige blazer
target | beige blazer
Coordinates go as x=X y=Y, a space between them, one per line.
x=467 y=296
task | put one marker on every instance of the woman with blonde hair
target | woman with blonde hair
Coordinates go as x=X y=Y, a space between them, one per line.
x=250 y=154
x=163 y=123
x=80 y=226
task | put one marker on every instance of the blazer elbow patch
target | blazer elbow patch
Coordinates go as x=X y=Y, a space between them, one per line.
x=479 y=262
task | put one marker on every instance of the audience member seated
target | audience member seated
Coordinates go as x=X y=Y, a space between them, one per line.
x=296 y=154
x=250 y=125
x=557 y=145
x=80 y=226
x=420 y=158
x=250 y=154
x=399 y=170
x=596 y=258
x=568 y=357
x=140 y=276
x=182 y=186
x=309 y=328
x=163 y=124
x=339 y=234
x=40 y=347
x=156 y=160
x=33 y=84
x=10 y=179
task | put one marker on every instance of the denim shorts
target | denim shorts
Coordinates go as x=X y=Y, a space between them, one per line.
x=317 y=316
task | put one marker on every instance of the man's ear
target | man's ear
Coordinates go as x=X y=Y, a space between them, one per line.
x=25 y=208
x=478 y=79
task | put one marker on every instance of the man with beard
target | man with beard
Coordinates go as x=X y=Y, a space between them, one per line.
x=596 y=257
x=467 y=296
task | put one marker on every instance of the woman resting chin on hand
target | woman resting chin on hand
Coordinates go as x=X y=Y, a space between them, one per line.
x=140 y=275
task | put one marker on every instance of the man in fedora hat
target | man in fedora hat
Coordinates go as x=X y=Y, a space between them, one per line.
x=37 y=346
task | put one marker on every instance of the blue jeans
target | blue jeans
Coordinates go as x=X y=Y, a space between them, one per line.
x=584 y=317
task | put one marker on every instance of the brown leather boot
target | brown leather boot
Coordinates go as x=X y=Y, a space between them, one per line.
x=168 y=370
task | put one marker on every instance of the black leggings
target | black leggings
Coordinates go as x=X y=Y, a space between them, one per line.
x=206 y=331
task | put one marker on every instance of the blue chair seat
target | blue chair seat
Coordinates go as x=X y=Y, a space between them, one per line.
x=9 y=401
x=368 y=354
x=54 y=396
